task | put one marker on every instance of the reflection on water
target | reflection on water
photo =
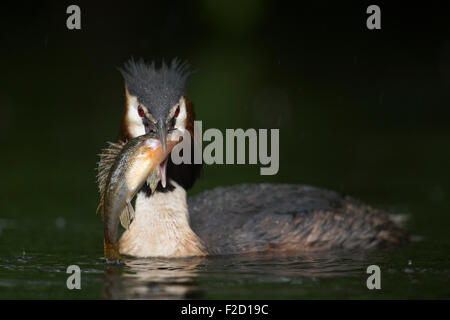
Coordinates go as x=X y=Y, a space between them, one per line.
x=181 y=278
x=152 y=279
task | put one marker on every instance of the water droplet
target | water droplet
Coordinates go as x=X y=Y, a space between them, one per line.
x=60 y=222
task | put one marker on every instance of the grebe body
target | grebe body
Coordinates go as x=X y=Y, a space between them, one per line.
x=241 y=219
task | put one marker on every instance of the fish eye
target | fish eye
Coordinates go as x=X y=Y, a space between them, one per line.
x=141 y=111
x=177 y=112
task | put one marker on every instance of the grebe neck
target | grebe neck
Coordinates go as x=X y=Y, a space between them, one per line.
x=161 y=227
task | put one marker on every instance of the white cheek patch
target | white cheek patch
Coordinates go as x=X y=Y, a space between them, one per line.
x=180 y=123
x=135 y=125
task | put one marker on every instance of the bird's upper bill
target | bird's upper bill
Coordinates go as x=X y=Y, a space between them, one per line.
x=155 y=102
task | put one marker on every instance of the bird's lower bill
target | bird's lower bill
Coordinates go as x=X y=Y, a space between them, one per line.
x=161 y=155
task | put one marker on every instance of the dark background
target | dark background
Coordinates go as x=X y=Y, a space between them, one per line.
x=361 y=112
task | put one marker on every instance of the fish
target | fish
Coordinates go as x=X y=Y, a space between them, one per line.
x=122 y=170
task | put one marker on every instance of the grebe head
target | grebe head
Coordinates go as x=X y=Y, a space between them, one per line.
x=155 y=98
x=156 y=102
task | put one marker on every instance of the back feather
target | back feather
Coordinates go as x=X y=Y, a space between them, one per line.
x=107 y=158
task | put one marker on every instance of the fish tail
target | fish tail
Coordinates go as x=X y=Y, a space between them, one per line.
x=111 y=252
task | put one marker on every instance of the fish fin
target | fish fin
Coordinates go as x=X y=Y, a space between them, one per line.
x=127 y=216
x=130 y=210
x=125 y=219
x=107 y=159
x=153 y=180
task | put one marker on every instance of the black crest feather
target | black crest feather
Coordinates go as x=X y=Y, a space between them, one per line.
x=157 y=89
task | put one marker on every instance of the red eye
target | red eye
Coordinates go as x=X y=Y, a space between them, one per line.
x=177 y=112
x=140 y=111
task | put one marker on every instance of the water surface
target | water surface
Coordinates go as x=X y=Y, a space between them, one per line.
x=38 y=271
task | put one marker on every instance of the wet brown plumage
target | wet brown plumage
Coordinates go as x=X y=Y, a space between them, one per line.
x=281 y=217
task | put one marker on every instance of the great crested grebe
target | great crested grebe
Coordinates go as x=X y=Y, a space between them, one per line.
x=229 y=220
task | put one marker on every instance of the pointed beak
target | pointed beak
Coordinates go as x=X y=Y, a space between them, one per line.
x=162 y=133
